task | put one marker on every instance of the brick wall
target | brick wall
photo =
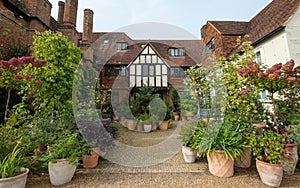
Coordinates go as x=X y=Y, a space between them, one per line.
x=224 y=44
x=13 y=30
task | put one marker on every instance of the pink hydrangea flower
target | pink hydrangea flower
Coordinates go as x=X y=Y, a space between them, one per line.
x=38 y=82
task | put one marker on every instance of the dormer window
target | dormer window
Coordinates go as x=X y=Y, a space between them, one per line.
x=177 y=52
x=121 y=46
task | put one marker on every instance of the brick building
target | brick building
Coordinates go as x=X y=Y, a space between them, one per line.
x=274 y=33
x=19 y=19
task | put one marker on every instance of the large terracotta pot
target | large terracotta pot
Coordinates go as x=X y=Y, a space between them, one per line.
x=291 y=158
x=270 y=174
x=154 y=127
x=140 y=128
x=90 y=161
x=18 y=181
x=244 y=160
x=219 y=165
x=130 y=124
x=164 y=125
x=188 y=155
x=61 y=172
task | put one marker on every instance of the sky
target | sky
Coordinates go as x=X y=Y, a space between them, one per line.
x=189 y=15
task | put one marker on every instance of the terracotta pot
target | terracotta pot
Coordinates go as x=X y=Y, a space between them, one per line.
x=244 y=160
x=147 y=128
x=130 y=124
x=154 y=127
x=188 y=155
x=183 y=118
x=18 y=181
x=140 y=128
x=61 y=172
x=270 y=174
x=90 y=161
x=219 y=165
x=164 y=125
x=189 y=117
x=289 y=163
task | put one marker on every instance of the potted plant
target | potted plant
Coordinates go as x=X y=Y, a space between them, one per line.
x=90 y=156
x=11 y=169
x=165 y=114
x=154 y=122
x=268 y=147
x=147 y=122
x=186 y=137
x=63 y=156
x=175 y=102
x=188 y=109
x=221 y=143
x=140 y=126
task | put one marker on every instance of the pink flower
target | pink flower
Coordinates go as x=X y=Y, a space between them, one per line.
x=39 y=63
x=243 y=92
x=288 y=66
x=254 y=67
x=38 y=82
x=290 y=80
x=261 y=75
x=244 y=72
x=297 y=69
x=276 y=67
x=29 y=76
x=273 y=76
x=18 y=77
x=248 y=88
x=14 y=62
x=278 y=72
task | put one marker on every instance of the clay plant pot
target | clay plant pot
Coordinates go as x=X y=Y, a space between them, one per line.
x=219 y=165
x=130 y=124
x=154 y=127
x=290 y=161
x=183 y=118
x=188 y=155
x=164 y=125
x=270 y=174
x=61 y=172
x=90 y=161
x=244 y=160
x=18 y=181
x=140 y=128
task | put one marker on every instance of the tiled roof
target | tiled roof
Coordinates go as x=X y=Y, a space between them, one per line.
x=231 y=27
x=272 y=17
x=192 y=48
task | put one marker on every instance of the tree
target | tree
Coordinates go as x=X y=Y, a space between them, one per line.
x=57 y=76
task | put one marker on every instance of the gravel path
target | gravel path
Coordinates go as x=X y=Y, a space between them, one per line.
x=172 y=173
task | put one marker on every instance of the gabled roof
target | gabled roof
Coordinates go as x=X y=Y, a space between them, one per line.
x=274 y=16
x=192 y=48
x=230 y=27
x=271 y=19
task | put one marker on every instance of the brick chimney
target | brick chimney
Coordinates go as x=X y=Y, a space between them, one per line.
x=70 y=12
x=61 y=7
x=87 y=34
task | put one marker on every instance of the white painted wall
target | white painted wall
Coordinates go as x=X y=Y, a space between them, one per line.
x=274 y=49
x=293 y=37
x=284 y=45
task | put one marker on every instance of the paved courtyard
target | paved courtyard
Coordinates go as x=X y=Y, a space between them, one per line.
x=174 y=172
